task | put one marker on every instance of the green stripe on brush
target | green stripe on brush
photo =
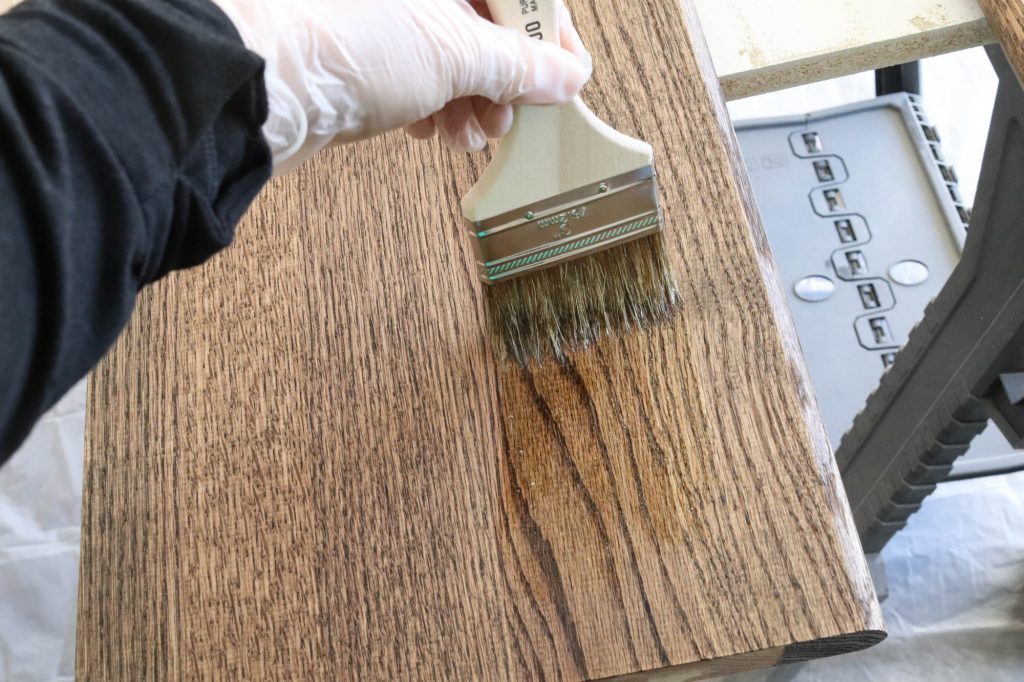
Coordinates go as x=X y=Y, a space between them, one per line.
x=497 y=271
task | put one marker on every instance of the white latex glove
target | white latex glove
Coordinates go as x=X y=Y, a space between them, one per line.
x=345 y=70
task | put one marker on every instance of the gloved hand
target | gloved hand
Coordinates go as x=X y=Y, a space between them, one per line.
x=345 y=70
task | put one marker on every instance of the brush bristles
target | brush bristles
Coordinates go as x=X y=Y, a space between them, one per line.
x=547 y=313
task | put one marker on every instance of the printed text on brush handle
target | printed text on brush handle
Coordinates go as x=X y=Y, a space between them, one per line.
x=533 y=27
x=536 y=19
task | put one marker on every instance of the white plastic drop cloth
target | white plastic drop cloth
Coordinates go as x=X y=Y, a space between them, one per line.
x=40 y=517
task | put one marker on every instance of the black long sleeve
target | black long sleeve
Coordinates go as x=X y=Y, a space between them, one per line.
x=130 y=145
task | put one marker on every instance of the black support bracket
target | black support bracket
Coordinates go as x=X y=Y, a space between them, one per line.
x=964 y=362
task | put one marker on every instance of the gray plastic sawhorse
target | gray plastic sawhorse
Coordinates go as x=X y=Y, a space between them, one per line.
x=964 y=362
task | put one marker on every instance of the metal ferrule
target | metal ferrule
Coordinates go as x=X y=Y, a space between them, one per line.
x=568 y=226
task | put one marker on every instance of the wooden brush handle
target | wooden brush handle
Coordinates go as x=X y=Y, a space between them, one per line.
x=550 y=149
x=536 y=18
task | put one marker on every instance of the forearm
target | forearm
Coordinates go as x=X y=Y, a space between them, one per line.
x=130 y=145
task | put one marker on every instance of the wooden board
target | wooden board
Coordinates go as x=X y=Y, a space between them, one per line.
x=1007 y=19
x=766 y=45
x=303 y=462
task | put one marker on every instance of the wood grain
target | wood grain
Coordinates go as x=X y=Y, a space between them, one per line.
x=303 y=461
x=1007 y=20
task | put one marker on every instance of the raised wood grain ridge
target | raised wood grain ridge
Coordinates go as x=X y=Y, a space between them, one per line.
x=303 y=462
x=1007 y=20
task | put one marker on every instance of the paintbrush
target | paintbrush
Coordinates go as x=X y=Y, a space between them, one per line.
x=566 y=222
